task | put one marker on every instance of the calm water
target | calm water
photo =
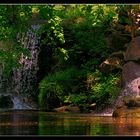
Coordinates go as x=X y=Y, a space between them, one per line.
x=44 y=123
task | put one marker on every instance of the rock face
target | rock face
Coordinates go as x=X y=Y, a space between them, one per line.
x=130 y=71
x=130 y=96
x=133 y=50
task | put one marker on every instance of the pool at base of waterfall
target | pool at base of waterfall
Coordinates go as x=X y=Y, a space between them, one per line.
x=28 y=122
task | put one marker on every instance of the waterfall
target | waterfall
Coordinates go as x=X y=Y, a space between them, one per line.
x=24 y=81
x=18 y=104
x=25 y=78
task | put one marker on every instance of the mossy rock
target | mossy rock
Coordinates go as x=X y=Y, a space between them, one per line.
x=132 y=102
x=127 y=112
x=6 y=102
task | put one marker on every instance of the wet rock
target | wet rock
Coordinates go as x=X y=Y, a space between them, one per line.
x=133 y=88
x=133 y=50
x=69 y=108
x=130 y=95
x=61 y=109
x=130 y=71
x=125 y=112
x=132 y=102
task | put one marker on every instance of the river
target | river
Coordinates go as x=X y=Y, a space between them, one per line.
x=37 y=123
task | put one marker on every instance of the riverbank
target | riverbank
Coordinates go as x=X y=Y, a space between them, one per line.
x=75 y=109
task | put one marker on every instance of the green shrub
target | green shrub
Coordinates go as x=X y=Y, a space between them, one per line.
x=101 y=90
x=48 y=95
x=104 y=90
x=87 y=45
x=84 y=50
x=60 y=83
x=81 y=100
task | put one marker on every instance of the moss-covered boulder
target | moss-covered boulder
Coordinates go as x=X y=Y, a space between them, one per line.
x=127 y=112
x=6 y=101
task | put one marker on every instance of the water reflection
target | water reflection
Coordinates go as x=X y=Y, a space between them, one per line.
x=46 y=123
x=18 y=123
x=62 y=125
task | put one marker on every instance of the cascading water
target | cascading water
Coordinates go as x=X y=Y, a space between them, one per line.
x=24 y=81
x=25 y=77
x=17 y=101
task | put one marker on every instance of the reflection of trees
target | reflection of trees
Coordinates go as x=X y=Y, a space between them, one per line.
x=76 y=126
x=34 y=123
x=50 y=125
x=101 y=129
x=62 y=125
x=18 y=123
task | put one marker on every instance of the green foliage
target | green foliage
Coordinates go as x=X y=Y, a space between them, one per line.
x=10 y=53
x=16 y=19
x=88 y=46
x=84 y=31
x=47 y=90
x=103 y=15
x=104 y=90
x=54 y=32
x=76 y=35
x=62 y=83
x=96 y=15
x=81 y=100
x=13 y=20
x=73 y=10
x=53 y=28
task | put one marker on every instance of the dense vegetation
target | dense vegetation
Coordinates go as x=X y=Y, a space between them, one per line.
x=77 y=38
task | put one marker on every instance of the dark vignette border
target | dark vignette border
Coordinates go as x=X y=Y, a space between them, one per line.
x=42 y=2
x=69 y=1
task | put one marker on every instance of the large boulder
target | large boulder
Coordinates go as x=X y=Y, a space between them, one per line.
x=133 y=50
x=130 y=71
x=129 y=97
